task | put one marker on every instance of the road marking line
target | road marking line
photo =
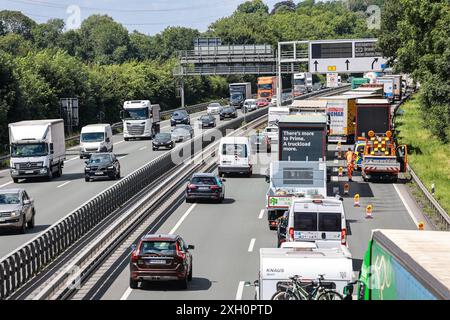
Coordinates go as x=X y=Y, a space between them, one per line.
x=126 y=294
x=182 y=218
x=240 y=289
x=71 y=159
x=5 y=184
x=121 y=141
x=406 y=205
x=261 y=214
x=65 y=183
x=121 y=157
x=251 y=245
x=143 y=148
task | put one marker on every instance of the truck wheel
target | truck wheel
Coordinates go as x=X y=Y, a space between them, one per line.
x=59 y=172
x=126 y=139
x=16 y=180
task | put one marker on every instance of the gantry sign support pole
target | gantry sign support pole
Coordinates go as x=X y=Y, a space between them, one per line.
x=292 y=56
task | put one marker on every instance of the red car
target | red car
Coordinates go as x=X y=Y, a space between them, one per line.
x=161 y=257
x=262 y=102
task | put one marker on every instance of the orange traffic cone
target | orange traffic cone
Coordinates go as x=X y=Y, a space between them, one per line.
x=346 y=189
x=421 y=225
x=369 y=212
x=356 y=200
x=341 y=170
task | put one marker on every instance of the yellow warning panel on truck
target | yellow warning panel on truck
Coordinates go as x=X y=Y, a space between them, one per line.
x=331 y=68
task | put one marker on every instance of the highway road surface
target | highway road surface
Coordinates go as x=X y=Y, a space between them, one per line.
x=228 y=236
x=56 y=198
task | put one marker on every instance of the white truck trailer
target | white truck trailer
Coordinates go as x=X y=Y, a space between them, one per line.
x=140 y=119
x=37 y=148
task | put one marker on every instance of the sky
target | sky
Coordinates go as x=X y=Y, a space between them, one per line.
x=146 y=16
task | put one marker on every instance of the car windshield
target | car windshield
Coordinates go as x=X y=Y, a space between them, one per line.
x=136 y=114
x=157 y=246
x=92 y=137
x=179 y=114
x=100 y=158
x=206 y=118
x=235 y=149
x=29 y=150
x=228 y=109
x=236 y=97
x=9 y=198
x=267 y=86
x=162 y=136
x=203 y=181
x=180 y=131
x=214 y=105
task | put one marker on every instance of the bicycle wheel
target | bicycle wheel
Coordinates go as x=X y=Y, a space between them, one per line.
x=330 y=295
x=283 y=295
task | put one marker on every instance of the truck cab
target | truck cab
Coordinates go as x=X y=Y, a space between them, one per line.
x=140 y=119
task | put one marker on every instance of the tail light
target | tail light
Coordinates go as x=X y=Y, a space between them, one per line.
x=291 y=234
x=215 y=188
x=180 y=253
x=135 y=254
x=344 y=236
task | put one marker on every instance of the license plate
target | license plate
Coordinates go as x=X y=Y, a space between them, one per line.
x=2 y=219
x=29 y=171
x=98 y=173
x=203 y=188
x=155 y=262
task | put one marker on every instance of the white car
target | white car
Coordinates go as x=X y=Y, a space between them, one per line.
x=273 y=101
x=214 y=108
x=272 y=133
x=250 y=105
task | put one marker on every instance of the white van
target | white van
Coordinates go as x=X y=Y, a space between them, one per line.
x=277 y=265
x=234 y=155
x=317 y=218
x=95 y=138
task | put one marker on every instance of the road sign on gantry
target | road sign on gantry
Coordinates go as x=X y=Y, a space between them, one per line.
x=345 y=56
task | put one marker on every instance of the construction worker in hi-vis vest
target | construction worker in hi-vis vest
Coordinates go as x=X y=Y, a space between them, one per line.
x=350 y=156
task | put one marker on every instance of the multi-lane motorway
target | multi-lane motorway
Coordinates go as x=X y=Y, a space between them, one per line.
x=56 y=198
x=228 y=236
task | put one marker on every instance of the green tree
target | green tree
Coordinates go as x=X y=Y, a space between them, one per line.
x=141 y=46
x=253 y=6
x=172 y=39
x=288 y=5
x=48 y=35
x=103 y=40
x=16 y=22
x=15 y=44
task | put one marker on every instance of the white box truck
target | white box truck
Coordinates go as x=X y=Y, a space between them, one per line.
x=140 y=119
x=37 y=148
x=277 y=265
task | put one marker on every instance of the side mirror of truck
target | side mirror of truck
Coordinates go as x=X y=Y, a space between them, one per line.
x=122 y=114
x=133 y=247
x=52 y=151
x=267 y=179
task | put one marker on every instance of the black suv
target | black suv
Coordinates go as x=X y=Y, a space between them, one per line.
x=180 y=117
x=102 y=165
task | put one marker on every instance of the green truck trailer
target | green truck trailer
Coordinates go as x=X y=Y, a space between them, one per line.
x=406 y=265
x=356 y=82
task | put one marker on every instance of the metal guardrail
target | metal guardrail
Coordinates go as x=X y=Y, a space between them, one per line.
x=27 y=261
x=440 y=214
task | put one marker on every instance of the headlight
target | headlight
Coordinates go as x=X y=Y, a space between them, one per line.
x=14 y=171
x=43 y=170
x=111 y=167
x=87 y=169
x=15 y=213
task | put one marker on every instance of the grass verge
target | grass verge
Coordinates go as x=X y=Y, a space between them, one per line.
x=429 y=157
